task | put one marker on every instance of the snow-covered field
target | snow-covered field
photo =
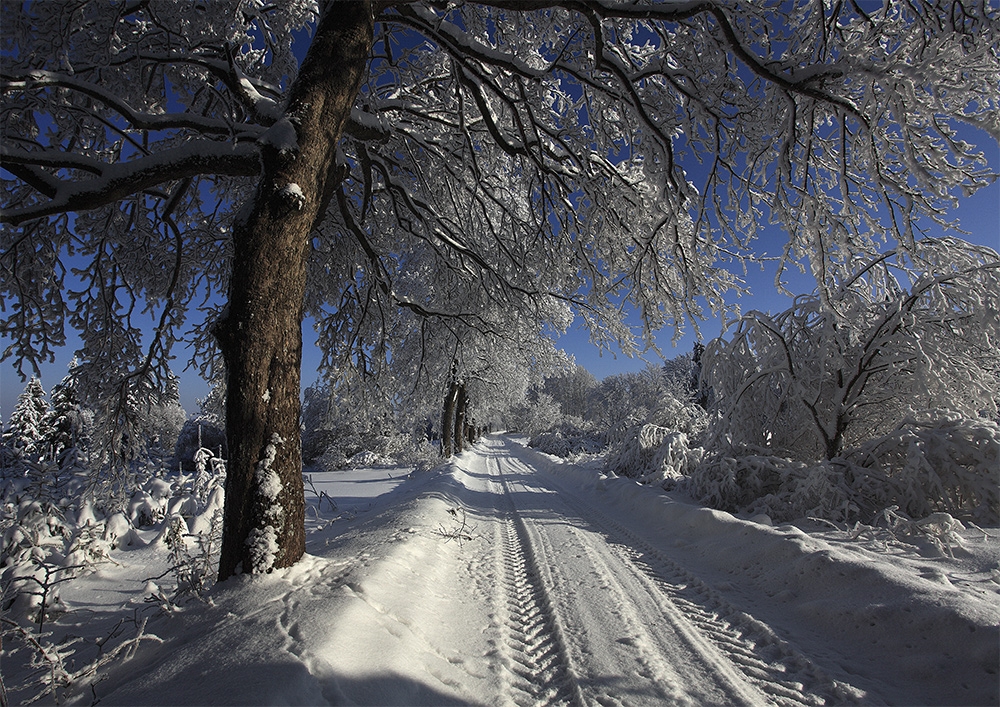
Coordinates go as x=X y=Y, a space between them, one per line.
x=510 y=577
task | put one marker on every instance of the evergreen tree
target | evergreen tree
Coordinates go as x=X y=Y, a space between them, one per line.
x=26 y=428
x=66 y=423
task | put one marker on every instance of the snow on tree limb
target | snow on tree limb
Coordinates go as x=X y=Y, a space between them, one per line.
x=113 y=182
x=825 y=375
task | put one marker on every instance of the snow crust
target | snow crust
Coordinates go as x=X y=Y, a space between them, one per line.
x=419 y=588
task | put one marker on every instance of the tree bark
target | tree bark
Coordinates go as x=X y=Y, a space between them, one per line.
x=461 y=409
x=261 y=334
x=448 y=420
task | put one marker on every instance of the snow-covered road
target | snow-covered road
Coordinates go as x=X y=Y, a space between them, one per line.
x=507 y=578
x=595 y=613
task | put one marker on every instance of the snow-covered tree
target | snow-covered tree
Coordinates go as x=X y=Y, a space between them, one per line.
x=598 y=153
x=27 y=427
x=163 y=425
x=572 y=390
x=348 y=414
x=68 y=425
x=625 y=397
x=909 y=331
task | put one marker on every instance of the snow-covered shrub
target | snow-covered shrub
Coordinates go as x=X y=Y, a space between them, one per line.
x=940 y=530
x=193 y=556
x=783 y=489
x=389 y=448
x=47 y=535
x=148 y=505
x=60 y=670
x=331 y=460
x=662 y=444
x=198 y=433
x=651 y=453
x=569 y=438
x=936 y=462
x=209 y=474
x=33 y=519
x=369 y=459
x=815 y=408
x=851 y=362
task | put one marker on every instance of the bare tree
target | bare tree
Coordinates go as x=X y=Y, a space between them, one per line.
x=445 y=163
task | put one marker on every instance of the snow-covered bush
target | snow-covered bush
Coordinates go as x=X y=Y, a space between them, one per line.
x=200 y=432
x=209 y=474
x=850 y=362
x=783 y=489
x=47 y=536
x=935 y=462
x=660 y=442
x=193 y=555
x=651 y=453
x=351 y=424
x=60 y=670
x=568 y=438
x=355 y=451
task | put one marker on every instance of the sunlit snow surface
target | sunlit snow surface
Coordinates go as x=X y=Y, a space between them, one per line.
x=508 y=577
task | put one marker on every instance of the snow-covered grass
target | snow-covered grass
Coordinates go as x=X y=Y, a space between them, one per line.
x=392 y=605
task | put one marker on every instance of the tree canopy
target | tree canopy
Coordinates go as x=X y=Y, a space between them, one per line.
x=591 y=151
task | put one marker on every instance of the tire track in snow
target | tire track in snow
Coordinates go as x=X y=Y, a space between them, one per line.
x=538 y=669
x=652 y=649
x=771 y=664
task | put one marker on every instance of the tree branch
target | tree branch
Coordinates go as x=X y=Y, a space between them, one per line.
x=116 y=181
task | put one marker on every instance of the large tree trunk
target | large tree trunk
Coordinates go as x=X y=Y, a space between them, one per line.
x=448 y=420
x=261 y=335
x=461 y=410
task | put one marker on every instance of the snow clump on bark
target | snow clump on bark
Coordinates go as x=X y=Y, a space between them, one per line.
x=263 y=542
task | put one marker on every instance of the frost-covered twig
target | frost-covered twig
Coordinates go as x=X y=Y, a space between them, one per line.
x=46 y=584
x=462 y=533
x=319 y=494
x=57 y=663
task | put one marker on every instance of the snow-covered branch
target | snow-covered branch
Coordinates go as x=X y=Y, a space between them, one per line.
x=114 y=182
x=37 y=79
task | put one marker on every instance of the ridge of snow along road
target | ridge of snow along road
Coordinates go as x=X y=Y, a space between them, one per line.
x=509 y=577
